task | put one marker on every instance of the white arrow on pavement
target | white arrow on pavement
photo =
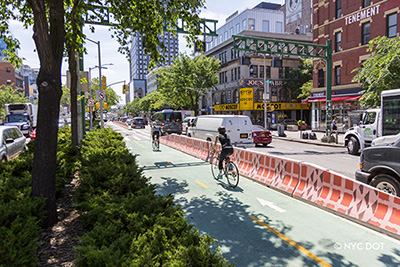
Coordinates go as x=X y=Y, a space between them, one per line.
x=270 y=204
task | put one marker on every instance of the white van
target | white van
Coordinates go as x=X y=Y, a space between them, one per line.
x=238 y=127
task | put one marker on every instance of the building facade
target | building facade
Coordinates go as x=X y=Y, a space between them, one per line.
x=241 y=77
x=350 y=25
x=139 y=61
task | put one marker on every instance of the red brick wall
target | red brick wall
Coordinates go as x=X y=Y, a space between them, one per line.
x=4 y=75
x=325 y=25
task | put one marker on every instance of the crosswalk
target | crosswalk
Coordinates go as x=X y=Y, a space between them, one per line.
x=131 y=134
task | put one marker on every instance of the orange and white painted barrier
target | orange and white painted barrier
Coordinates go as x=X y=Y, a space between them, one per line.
x=307 y=181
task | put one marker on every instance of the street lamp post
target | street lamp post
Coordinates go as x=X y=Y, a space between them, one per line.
x=100 y=82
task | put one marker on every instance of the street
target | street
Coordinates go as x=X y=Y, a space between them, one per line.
x=332 y=158
x=253 y=224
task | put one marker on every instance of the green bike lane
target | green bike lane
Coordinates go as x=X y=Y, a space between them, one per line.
x=257 y=226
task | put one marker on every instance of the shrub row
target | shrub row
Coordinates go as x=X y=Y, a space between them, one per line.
x=126 y=222
x=21 y=215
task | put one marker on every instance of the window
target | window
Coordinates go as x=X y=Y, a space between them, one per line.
x=265 y=24
x=237 y=28
x=244 y=26
x=236 y=96
x=268 y=72
x=261 y=71
x=279 y=27
x=365 y=33
x=280 y=72
x=231 y=31
x=338 y=8
x=338 y=70
x=321 y=78
x=366 y=3
x=252 y=24
x=255 y=71
x=287 y=71
x=225 y=35
x=8 y=69
x=239 y=73
x=235 y=74
x=232 y=77
x=338 y=41
x=391 y=25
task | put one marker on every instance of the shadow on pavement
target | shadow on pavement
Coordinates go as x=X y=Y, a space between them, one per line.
x=167 y=164
x=226 y=218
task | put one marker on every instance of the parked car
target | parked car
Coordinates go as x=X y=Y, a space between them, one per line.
x=137 y=122
x=186 y=123
x=284 y=122
x=261 y=136
x=128 y=122
x=170 y=121
x=12 y=142
x=380 y=167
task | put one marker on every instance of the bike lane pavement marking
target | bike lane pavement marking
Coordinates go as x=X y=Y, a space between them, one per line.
x=318 y=235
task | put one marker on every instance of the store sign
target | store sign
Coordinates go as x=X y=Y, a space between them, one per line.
x=293 y=11
x=246 y=98
x=281 y=106
x=363 y=14
x=260 y=83
x=226 y=107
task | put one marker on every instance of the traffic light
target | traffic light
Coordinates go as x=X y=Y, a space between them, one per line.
x=97 y=105
x=103 y=82
x=125 y=88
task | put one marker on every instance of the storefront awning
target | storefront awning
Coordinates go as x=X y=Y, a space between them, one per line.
x=334 y=98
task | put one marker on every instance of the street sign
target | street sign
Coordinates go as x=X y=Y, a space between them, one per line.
x=102 y=95
x=90 y=102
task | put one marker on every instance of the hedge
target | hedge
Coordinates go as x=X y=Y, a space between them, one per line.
x=126 y=222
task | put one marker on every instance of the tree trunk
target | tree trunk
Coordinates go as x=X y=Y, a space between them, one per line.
x=49 y=37
x=72 y=62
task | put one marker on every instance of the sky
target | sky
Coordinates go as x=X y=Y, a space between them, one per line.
x=119 y=71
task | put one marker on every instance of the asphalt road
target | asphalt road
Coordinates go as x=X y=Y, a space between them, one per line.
x=332 y=158
x=253 y=224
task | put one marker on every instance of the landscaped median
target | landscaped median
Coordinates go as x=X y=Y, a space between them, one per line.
x=125 y=222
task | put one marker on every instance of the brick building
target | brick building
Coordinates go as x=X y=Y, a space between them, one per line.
x=350 y=25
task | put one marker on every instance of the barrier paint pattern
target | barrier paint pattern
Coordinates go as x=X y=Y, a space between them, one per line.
x=309 y=182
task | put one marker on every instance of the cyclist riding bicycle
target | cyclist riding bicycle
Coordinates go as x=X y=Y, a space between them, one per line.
x=227 y=148
x=155 y=131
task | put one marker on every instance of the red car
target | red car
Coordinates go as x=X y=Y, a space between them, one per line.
x=261 y=136
x=32 y=134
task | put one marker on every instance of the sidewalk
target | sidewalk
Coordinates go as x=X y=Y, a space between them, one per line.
x=295 y=137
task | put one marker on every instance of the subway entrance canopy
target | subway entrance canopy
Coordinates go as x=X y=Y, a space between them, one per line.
x=281 y=47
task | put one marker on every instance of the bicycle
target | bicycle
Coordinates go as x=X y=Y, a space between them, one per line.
x=156 y=142
x=230 y=170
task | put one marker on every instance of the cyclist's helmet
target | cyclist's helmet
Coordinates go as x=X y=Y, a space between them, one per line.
x=221 y=129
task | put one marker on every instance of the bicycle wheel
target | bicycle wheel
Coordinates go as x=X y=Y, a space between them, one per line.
x=214 y=167
x=232 y=174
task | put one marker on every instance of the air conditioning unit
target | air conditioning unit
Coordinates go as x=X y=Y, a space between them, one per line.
x=245 y=61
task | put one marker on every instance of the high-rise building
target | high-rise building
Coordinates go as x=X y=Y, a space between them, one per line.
x=139 y=65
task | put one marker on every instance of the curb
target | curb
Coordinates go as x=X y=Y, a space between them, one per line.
x=318 y=143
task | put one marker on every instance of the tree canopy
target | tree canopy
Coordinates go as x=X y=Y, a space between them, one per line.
x=8 y=95
x=296 y=78
x=381 y=71
x=57 y=32
x=187 y=79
